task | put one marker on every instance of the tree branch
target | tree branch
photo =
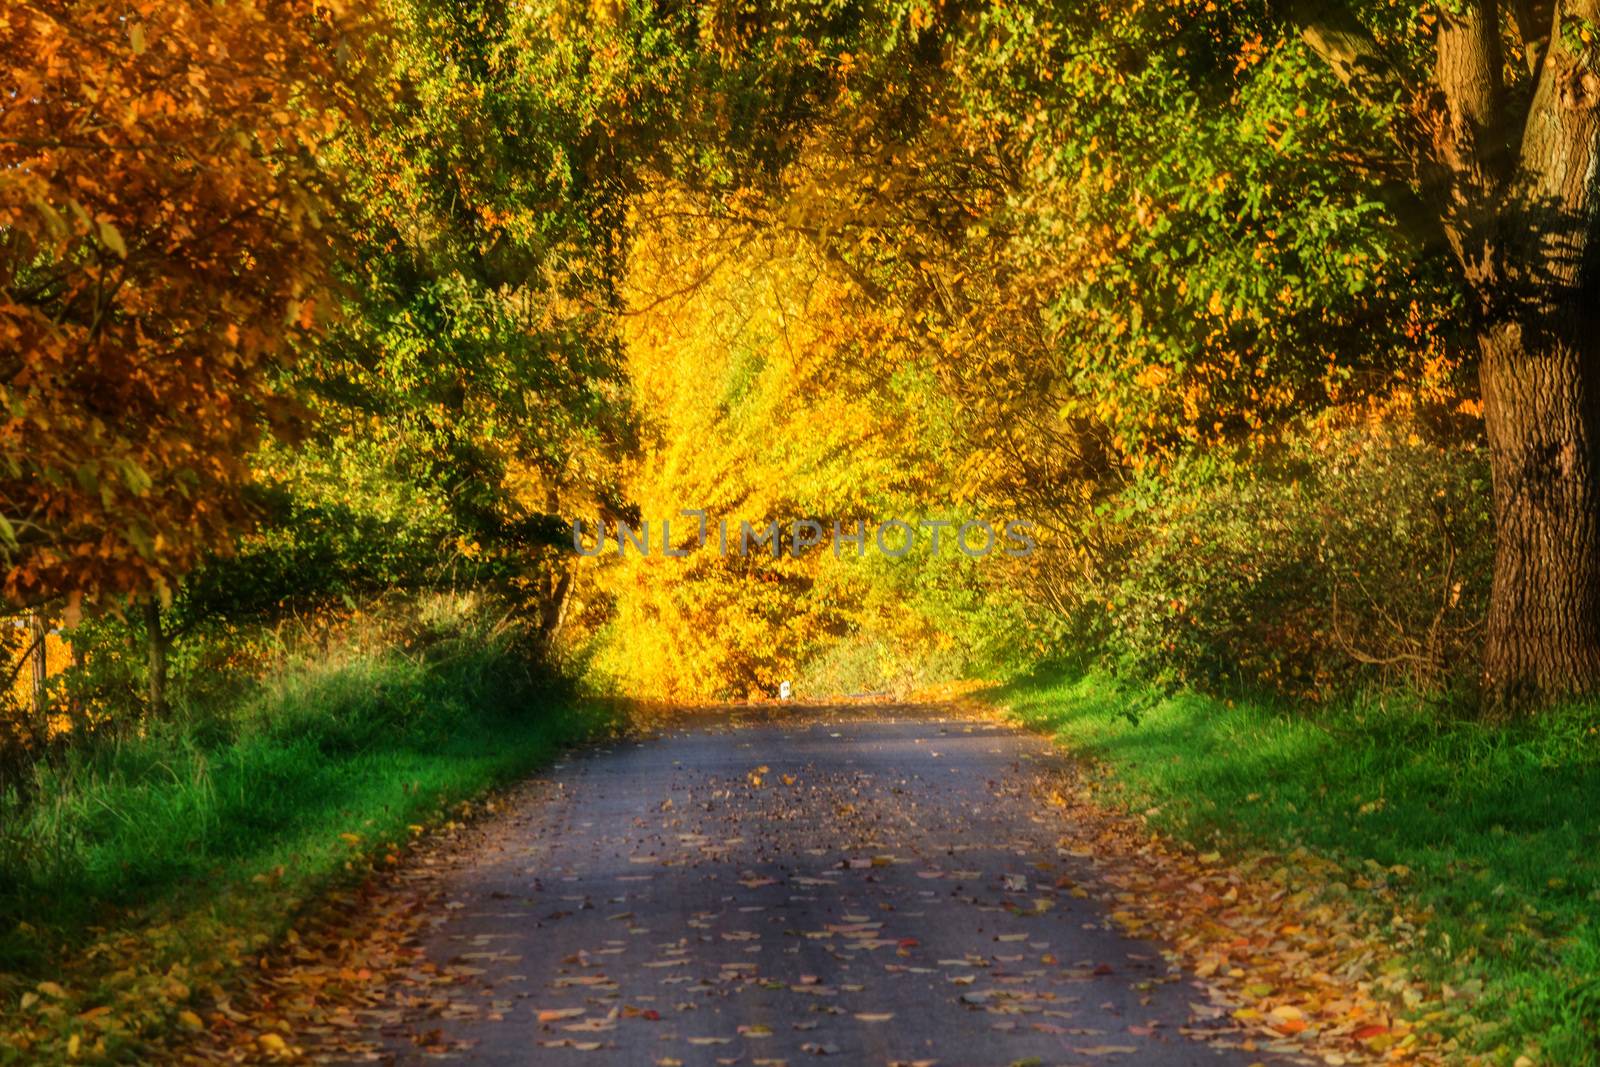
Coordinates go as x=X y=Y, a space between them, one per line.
x=1558 y=213
x=1473 y=142
x=1351 y=52
x=1354 y=56
x=1534 y=19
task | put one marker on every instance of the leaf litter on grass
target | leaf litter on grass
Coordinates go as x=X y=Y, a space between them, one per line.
x=1282 y=948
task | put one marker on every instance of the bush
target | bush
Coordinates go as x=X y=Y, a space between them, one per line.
x=1342 y=557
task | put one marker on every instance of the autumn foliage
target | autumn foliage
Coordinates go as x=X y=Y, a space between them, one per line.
x=295 y=312
x=318 y=317
x=164 y=245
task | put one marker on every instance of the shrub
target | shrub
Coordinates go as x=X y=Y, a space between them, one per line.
x=1342 y=557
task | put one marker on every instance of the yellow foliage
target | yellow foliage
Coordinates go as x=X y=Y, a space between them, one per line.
x=762 y=371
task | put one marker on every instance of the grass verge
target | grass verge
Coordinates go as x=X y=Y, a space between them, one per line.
x=1493 y=833
x=149 y=870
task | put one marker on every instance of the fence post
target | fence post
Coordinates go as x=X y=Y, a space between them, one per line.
x=156 y=642
x=38 y=632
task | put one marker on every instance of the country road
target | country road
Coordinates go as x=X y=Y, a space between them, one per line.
x=853 y=885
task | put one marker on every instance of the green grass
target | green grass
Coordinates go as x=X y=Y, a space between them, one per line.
x=177 y=837
x=1499 y=827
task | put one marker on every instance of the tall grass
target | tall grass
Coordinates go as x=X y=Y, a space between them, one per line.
x=1497 y=829
x=359 y=743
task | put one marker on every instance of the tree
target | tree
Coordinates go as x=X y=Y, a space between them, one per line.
x=1502 y=138
x=1117 y=237
x=162 y=248
x=1191 y=158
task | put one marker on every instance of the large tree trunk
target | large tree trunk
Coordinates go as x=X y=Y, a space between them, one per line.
x=1541 y=400
x=1540 y=378
x=1513 y=182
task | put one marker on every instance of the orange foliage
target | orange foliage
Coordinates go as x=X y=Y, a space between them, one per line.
x=161 y=248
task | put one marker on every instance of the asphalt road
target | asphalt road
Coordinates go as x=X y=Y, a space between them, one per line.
x=855 y=885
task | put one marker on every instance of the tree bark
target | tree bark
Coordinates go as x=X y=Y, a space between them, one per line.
x=156 y=644
x=1543 y=423
x=75 y=705
x=558 y=586
x=1540 y=382
x=1513 y=180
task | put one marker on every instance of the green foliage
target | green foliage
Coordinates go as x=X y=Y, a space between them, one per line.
x=1205 y=267
x=474 y=370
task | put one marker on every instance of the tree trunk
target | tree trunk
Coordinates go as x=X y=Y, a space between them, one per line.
x=553 y=608
x=1541 y=403
x=156 y=644
x=75 y=704
x=1512 y=179
x=1540 y=381
x=558 y=587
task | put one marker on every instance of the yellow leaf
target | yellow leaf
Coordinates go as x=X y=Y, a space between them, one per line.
x=112 y=237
